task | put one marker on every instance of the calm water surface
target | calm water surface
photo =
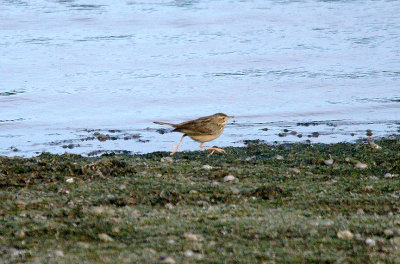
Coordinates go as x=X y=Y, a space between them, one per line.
x=69 y=69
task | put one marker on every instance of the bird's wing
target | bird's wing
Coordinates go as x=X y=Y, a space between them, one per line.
x=195 y=127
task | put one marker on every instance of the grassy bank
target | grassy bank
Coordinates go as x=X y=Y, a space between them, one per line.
x=262 y=203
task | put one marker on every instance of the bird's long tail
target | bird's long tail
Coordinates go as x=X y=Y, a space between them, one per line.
x=163 y=123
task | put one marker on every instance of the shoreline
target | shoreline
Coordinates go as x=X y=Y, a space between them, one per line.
x=259 y=203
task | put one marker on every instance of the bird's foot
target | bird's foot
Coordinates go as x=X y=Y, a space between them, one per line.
x=213 y=149
x=175 y=150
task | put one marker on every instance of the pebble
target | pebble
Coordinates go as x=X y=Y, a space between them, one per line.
x=328 y=161
x=83 y=245
x=395 y=241
x=374 y=145
x=295 y=170
x=188 y=253
x=390 y=175
x=370 y=242
x=345 y=234
x=215 y=183
x=169 y=206
x=229 y=178
x=206 y=167
x=368 y=189
x=104 y=237
x=193 y=237
x=167 y=260
x=361 y=166
x=20 y=234
x=388 y=232
x=102 y=137
x=278 y=157
x=167 y=159
x=70 y=180
x=59 y=253
x=235 y=190
x=171 y=241
x=360 y=211
x=250 y=158
x=98 y=210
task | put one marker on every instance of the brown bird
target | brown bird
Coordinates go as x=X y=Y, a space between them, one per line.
x=202 y=130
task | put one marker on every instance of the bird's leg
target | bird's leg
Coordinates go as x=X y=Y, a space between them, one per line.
x=176 y=148
x=212 y=148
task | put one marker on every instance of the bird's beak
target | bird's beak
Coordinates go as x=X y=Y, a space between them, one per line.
x=229 y=117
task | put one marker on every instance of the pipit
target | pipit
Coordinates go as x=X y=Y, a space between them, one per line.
x=202 y=130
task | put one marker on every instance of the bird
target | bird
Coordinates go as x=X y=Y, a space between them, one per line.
x=202 y=130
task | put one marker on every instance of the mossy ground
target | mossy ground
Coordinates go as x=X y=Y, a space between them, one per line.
x=285 y=206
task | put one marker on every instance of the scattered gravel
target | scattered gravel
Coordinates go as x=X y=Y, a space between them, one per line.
x=345 y=234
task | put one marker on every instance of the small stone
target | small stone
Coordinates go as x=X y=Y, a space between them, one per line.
x=360 y=211
x=20 y=234
x=390 y=175
x=359 y=238
x=98 y=210
x=388 y=232
x=374 y=145
x=345 y=234
x=167 y=159
x=193 y=237
x=167 y=260
x=235 y=190
x=361 y=166
x=193 y=192
x=295 y=170
x=215 y=183
x=188 y=253
x=70 y=180
x=368 y=189
x=58 y=253
x=229 y=178
x=169 y=206
x=102 y=137
x=106 y=238
x=347 y=159
x=328 y=162
x=171 y=241
x=250 y=158
x=293 y=133
x=206 y=167
x=370 y=242
x=83 y=245
x=369 y=132
x=395 y=241
x=278 y=157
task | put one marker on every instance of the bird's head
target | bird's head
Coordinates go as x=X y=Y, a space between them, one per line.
x=222 y=117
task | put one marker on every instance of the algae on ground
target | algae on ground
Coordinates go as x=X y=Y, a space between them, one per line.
x=286 y=205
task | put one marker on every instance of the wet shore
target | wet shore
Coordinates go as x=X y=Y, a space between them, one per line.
x=274 y=203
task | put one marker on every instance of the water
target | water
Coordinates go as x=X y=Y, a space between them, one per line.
x=69 y=69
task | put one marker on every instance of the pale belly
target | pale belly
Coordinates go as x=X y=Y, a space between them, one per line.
x=205 y=138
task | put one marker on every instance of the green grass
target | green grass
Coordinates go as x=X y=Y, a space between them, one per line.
x=276 y=211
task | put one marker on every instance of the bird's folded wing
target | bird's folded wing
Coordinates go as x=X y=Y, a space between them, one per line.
x=196 y=128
